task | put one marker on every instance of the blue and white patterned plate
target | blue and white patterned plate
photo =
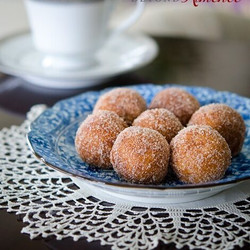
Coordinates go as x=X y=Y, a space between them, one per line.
x=52 y=135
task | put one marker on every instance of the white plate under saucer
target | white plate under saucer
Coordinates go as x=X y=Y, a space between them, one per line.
x=121 y=54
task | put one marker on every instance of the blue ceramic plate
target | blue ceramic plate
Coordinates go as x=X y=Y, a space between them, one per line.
x=52 y=135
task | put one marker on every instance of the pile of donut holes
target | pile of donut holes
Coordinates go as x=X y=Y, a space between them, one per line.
x=141 y=144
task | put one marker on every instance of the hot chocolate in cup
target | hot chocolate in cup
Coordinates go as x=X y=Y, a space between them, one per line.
x=70 y=32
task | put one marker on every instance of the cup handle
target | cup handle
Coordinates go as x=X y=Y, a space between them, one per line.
x=140 y=5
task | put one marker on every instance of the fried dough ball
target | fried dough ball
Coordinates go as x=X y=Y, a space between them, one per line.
x=227 y=121
x=181 y=103
x=126 y=103
x=140 y=155
x=96 y=135
x=161 y=120
x=199 y=155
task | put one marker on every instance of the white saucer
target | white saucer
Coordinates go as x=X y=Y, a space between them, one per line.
x=150 y=197
x=122 y=54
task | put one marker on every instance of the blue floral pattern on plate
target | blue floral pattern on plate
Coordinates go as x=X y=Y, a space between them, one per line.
x=52 y=135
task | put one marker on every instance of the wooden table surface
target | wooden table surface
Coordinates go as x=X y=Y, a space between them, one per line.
x=222 y=65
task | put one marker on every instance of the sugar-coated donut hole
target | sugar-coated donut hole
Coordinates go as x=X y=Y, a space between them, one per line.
x=96 y=135
x=140 y=155
x=161 y=120
x=127 y=103
x=227 y=121
x=199 y=154
x=181 y=103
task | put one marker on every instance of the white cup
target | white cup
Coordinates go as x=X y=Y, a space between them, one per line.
x=70 y=32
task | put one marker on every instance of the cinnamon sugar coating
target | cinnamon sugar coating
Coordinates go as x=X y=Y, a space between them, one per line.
x=127 y=103
x=227 y=121
x=199 y=155
x=181 y=103
x=140 y=155
x=96 y=136
x=161 y=120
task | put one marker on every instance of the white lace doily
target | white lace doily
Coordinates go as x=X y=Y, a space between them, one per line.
x=52 y=205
